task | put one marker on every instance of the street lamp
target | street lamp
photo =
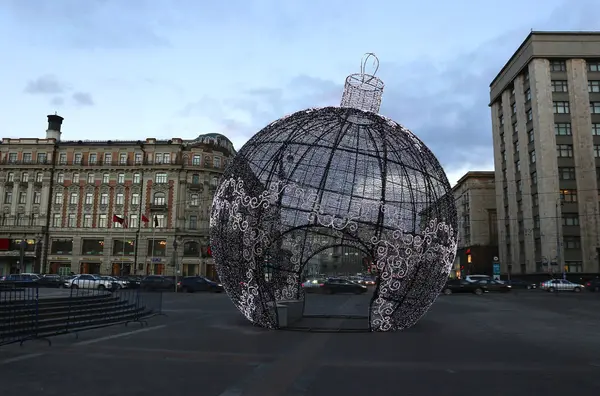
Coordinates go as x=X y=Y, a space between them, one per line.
x=175 y=245
x=22 y=247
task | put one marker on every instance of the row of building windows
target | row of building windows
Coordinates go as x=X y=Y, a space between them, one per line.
x=107 y=158
x=156 y=247
x=561 y=66
x=159 y=178
x=158 y=221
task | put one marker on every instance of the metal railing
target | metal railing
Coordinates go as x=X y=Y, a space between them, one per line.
x=28 y=311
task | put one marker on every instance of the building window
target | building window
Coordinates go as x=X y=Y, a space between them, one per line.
x=62 y=158
x=529 y=115
x=25 y=177
x=535 y=200
x=157 y=248
x=501 y=120
x=532 y=157
x=137 y=158
x=534 y=178
x=519 y=185
x=10 y=177
x=516 y=147
x=570 y=219
x=92 y=247
x=104 y=199
x=93 y=158
x=193 y=222
x=517 y=166
x=56 y=220
x=135 y=199
x=74 y=198
x=77 y=159
x=106 y=178
x=217 y=160
x=12 y=158
x=72 y=220
x=566 y=173
x=160 y=199
x=597 y=150
x=107 y=158
x=536 y=221
x=593 y=86
x=39 y=177
x=120 y=199
x=195 y=178
x=527 y=95
x=194 y=200
x=572 y=242
x=90 y=178
x=87 y=221
x=27 y=158
x=60 y=178
x=197 y=160
x=161 y=220
x=37 y=197
x=123 y=158
x=564 y=150
x=162 y=158
x=136 y=178
x=89 y=198
x=513 y=109
x=593 y=66
x=121 y=178
x=558 y=66
x=75 y=177
x=133 y=221
x=58 y=199
x=102 y=221
x=573 y=266
x=8 y=197
x=42 y=158
x=191 y=249
x=22 y=197
x=568 y=195
x=559 y=86
x=215 y=181
x=595 y=107
x=561 y=107
x=160 y=178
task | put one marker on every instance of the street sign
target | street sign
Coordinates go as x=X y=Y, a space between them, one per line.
x=496 y=266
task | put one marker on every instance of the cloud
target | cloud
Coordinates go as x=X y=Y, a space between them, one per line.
x=50 y=85
x=45 y=85
x=83 y=99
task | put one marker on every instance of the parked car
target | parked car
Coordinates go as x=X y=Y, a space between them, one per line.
x=463 y=286
x=21 y=280
x=339 y=285
x=492 y=285
x=89 y=281
x=521 y=284
x=50 y=280
x=475 y=278
x=554 y=285
x=133 y=282
x=191 y=284
x=311 y=285
x=119 y=283
x=157 y=282
x=593 y=285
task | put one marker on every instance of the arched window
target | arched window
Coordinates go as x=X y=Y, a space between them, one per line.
x=194 y=200
x=191 y=249
x=160 y=199
x=215 y=181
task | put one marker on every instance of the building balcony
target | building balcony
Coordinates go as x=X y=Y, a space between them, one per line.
x=7 y=162
x=155 y=207
x=196 y=186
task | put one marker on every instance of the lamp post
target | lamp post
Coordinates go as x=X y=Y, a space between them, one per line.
x=22 y=246
x=38 y=253
x=559 y=260
x=175 y=244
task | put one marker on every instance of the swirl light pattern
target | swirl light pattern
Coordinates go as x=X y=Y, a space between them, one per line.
x=327 y=177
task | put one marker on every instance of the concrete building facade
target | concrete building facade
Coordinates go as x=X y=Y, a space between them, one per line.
x=108 y=207
x=545 y=106
x=475 y=197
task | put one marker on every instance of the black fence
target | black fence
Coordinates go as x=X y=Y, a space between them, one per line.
x=30 y=312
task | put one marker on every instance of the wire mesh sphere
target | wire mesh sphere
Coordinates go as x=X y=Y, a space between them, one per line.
x=322 y=178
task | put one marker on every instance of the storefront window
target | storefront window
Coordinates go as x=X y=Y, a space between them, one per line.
x=61 y=246
x=92 y=247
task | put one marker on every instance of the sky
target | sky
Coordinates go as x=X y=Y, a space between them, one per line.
x=132 y=69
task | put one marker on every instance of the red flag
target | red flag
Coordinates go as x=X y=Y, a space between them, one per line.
x=145 y=219
x=120 y=220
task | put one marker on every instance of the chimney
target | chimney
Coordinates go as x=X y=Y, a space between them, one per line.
x=54 y=124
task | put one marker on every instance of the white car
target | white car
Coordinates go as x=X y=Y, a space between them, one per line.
x=88 y=281
x=553 y=285
x=121 y=284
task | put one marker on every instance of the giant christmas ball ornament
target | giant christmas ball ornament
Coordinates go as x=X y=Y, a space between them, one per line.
x=327 y=177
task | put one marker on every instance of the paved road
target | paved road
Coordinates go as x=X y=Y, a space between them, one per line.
x=527 y=343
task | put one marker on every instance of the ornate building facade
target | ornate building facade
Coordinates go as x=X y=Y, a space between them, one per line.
x=108 y=207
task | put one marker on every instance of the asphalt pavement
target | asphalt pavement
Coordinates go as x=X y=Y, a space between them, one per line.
x=525 y=343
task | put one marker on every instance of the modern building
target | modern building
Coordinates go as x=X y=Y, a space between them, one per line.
x=108 y=207
x=475 y=197
x=545 y=106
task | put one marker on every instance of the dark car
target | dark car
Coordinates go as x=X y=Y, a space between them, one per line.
x=521 y=284
x=21 y=280
x=133 y=282
x=593 y=285
x=338 y=285
x=493 y=285
x=463 y=286
x=50 y=280
x=157 y=282
x=191 y=284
